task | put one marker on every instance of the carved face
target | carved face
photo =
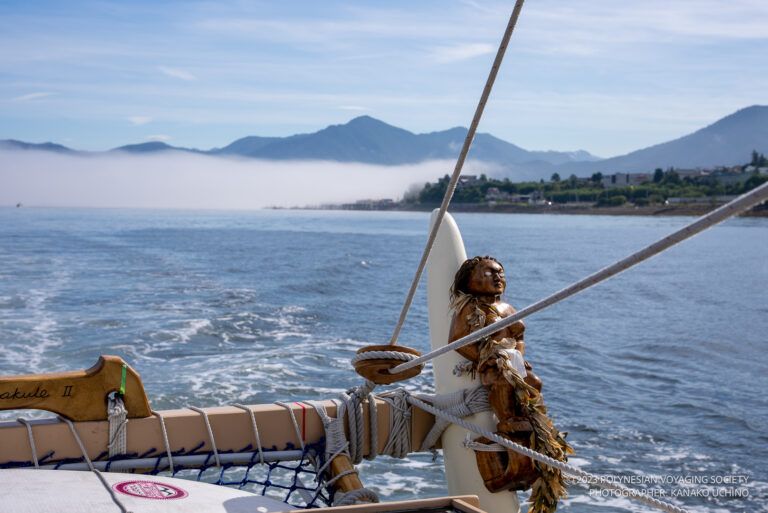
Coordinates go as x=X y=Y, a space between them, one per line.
x=487 y=279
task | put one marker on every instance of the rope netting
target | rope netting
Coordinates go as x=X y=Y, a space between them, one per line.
x=293 y=482
x=289 y=475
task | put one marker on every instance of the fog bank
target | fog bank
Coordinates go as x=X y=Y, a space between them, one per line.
x=189 y=181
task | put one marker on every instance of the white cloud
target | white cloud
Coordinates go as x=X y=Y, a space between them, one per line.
x=32 y=96
x=177 y=73
x=461 y=52
x=353 y=107
x=139 y=120
x=601 y=25
x=159 y=138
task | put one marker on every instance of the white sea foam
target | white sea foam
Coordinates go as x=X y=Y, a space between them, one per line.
x=34 y=326
x=193 y=327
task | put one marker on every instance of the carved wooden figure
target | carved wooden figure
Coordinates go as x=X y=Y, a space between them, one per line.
x=476 y=297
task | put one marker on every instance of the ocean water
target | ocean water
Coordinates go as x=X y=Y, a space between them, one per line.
x=659 y=375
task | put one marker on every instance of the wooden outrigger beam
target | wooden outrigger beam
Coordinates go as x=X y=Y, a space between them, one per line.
x=231 y=426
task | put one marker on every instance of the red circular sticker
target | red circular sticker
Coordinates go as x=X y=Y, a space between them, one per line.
x=149 y=490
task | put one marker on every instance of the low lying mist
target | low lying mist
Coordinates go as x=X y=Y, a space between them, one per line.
x=189 y=181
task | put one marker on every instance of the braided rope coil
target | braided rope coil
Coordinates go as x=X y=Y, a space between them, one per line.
x=383 y=355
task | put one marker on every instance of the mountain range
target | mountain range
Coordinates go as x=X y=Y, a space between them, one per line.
x=364 y=139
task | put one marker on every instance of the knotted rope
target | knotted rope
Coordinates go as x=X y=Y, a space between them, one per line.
x=117 y=415
x=336 y=444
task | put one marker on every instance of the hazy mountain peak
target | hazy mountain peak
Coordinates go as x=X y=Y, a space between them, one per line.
x=13 y=144
x=366 y=139
x=145 y=147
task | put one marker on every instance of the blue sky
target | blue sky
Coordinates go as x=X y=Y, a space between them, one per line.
x=604 y=76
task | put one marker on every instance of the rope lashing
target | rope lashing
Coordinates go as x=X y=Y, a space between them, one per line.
x=352 y=406
x=399 y=442
x=461 y=403
x=255 y=428
x=295 y=422
x=167 y=445
x=373 y=418
x=335 y=440
x=208 y=428
x=582 y=475
x=730 y=209
x=336 y=444
x=79 y=441
x=31 y=438
x=459 y=165
x=117 y=415
x=363 y=495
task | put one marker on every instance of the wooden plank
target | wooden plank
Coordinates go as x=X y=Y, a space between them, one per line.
x=461 y=503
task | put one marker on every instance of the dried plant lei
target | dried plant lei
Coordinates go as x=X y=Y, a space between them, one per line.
x=549 y=487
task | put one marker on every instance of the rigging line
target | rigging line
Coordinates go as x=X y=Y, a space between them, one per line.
x=734 y=207
x=581 y=475
x=459 y=164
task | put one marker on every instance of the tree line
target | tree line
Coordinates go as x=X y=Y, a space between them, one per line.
x=663 y=185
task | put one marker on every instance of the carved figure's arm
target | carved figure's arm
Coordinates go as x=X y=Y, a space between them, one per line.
x=460 y=328
x=517 y=332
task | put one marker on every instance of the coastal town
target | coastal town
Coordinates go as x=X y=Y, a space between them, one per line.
x=661 y=192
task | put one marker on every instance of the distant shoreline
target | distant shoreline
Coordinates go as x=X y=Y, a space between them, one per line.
x=656 y=210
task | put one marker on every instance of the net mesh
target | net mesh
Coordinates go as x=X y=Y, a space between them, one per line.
x=295 y=482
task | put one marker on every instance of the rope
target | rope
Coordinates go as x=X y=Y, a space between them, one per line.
x=255 y=430
x=352 y=405
x=77 y=439
x=335 y=445
x=31 y=438
x=734 y=207
x=477 y=446
x=112 y=493
x=335 y=441
x=461 y=403
x=373 y=417
x=117 y=416
x=583 y=476
x=459 y=164
x=165 y=439
x=399 y=442
x=382 y=355
x=357 y=496
x=294 y=421
x=210 y=433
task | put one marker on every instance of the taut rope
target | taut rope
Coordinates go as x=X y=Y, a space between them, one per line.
x=579 y=474
x=734 y=207
x=459 y=164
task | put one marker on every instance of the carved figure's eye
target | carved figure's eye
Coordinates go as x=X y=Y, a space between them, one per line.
x=488 y=273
